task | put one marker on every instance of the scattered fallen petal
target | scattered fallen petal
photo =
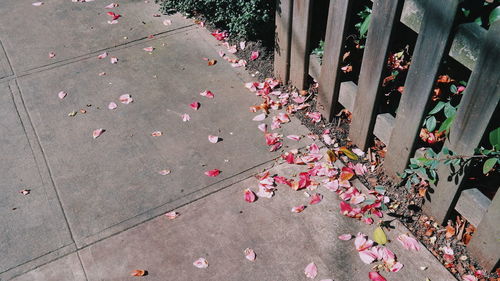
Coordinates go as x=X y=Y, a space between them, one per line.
x=167 y=22
x=409 y=243
x=148 y=49
x=25 y=191
x=102 y=73
x=211 y=62
x=112 y=105
x=112 y=21
x=207 y=94
x=249 y=254
x=164 y=172
x=195 y=105
x=62 y=94
x=213 y=173
x=345 y=237
x=52 y=54
x=262 y=127
x=113 y=60
x=96 y=133
x=37 y=4
x=259 y=117
x=254 y=55
x=113 y=15
x=249 y=195
x=469 y=278
x=293 y=137
x=201 y=263
x=138 y=272
x=156 y=133
x=213 y=139
x=375 y=276
x=316 y=198
x=243 y=45
x=126 y=99
x=311 y=271
x=172 y=215
x=103 y=55
x=111 y=6
x=298 y=209
x=186 y=117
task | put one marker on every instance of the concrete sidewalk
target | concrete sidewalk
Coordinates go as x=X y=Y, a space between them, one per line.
x=94 y=204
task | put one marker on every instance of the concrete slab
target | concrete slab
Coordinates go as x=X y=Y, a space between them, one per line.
x=220 y=226
x=67 y=268
x=32 y=226
x=72 y=29
x=112 y=182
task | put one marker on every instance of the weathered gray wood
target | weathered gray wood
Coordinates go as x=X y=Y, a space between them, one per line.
x=485 y=243
x=384 y=125
x=301 y=29
x=329 y=82
x=429 y=49
x=472 y=205
x=314 y=66
x=283 y=35
x=385 y=15
x=476 y=108
x=413 y=13
x=347 y=94
x=467 y=43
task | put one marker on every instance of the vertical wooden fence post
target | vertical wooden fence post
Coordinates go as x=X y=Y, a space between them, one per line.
x=430 y=48
x=485 y=244
x=283 y=35
x=478 y=104
x=301 y=29
x=385 y=14
x=329 y=78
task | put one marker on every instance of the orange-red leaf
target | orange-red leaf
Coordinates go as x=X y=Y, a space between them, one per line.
x=138 y=272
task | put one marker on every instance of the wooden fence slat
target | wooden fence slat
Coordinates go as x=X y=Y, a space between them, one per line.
x=384 y=16
x=472 y=205
x=478 y=104
x=301 y=29
x=429 y=49
x=283 y=35
x=484 y=245
x=329 y=78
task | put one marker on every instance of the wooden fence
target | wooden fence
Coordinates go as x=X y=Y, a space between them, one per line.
x=469 y=44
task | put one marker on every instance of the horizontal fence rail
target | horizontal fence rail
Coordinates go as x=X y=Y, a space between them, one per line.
x=472 y=46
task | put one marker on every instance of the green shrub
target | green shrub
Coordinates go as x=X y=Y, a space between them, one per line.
x=244 y=19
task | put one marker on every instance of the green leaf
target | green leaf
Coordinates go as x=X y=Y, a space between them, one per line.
x=466 y=12
x=449 y=110
x=453 y=89
x=379 y=236
x=445 y=126
x=437 y=108
x=364 y=26
x=478 y=21
x=430 y=124
x=494 y=15
x=489 y=164
x=380 y=189
x=495 y=138
x=445 y=150
x=348 y=153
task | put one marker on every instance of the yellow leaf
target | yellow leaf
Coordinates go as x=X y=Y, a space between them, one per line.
x=348 y=153
x=379 y=236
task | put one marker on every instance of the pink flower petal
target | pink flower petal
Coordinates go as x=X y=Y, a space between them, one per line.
x=358 y=152
x=195 y=105
x=207 y=94
x=262 y=127
x=367 y=256
x=167 y=22
x=96 y=133
x=311 y=271
x=148 y=49
x=200 y=263
x=111 y=6
x=249 y=254
x=345 y=237
x=249 y=195
x=112 y=105
x=293 y=137
x=259 y=117
x=298 y=209
x=156 y=133
x=62 y=94
x=103 y=55
x=52 y=54
x=112 y=21
x=316 y=198
x=243 y=45
x=113 y=60
x=172 y=215
x=254 y=55
x=102 y=73
x=213 y=173
x=25 y=191
x=164 y=172
x=409 y=243
x=126 y=99
x=186 y=117
x=469 y=277
x=37 y=4
x=113 y=15
x=375 y=276
x=213 y=139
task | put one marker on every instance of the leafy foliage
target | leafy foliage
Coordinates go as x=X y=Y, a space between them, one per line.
x=362 y=26
x=320 y=51
x=244 y=19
